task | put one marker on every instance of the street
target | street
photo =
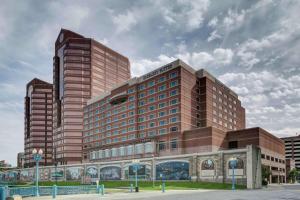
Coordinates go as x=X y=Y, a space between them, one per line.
x=274 y=192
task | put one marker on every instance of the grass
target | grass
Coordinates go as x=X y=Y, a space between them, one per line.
x=148 y=185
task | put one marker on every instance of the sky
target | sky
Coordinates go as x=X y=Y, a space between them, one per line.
x=251 y=46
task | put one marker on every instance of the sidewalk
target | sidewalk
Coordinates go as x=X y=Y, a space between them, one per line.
x=133 y=195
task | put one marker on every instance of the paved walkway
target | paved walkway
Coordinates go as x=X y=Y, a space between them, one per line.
x=274 y=192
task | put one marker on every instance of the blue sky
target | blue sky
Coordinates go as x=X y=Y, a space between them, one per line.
x=252 y=46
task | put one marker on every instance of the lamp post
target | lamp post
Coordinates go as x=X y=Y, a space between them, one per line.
x=136 y=167
x=37 y=156
x=233 y=163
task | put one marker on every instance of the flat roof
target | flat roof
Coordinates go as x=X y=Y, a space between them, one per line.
x=167 y=67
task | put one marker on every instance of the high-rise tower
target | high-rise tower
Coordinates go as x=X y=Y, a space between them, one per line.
x=83 y=68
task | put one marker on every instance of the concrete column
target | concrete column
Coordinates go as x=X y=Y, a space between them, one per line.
x=193 y=163
x=221 y=172
x=253 y=167
x=153 y=169
x=122 y=171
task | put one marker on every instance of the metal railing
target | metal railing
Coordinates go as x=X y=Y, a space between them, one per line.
x=50 y=190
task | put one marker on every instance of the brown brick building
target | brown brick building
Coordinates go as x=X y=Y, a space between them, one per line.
x=82 y=69
x=38 y=121
x=147 y=116
x=213 y=139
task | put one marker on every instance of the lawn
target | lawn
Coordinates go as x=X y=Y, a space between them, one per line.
x=148 y=185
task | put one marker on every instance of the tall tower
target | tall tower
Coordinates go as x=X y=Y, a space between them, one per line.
x=83 y=68
x=38 y=121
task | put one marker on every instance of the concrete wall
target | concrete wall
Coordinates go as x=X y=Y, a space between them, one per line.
x=206 y=167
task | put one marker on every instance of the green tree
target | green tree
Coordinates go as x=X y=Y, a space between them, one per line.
x=293 y=175
x=265 y=173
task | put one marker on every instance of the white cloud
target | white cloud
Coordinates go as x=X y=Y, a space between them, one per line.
x=223 y=56
x=268 y=99
x=124 y=22
x=234 y=19
x=213 y=22
x=213 y=35
x=187 y=15
x=219 y=57
x=69 y=17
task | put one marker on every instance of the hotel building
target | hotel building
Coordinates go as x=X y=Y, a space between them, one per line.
x=149 y=115
x=38 y=121
x=292 y=149
x=82 y=69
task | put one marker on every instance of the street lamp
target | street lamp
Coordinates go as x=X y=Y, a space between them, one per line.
x=135 y=168
x=233 y=163
x=37 y=156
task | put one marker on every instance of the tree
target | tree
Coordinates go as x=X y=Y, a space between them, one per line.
x=265 y=173
x=293 y=175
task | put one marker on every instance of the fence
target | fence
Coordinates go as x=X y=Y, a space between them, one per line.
x=50 y=190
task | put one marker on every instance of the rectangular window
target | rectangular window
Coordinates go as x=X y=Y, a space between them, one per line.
x=161 y=105
x=151 y=108
x=161 y=79
x=173 y=101
x=173 y=120
x=151 y=124
x=141 y=103
x=162 y=113
x=141 y=119
x=162 y=145
x=151 y=83
x=130 y=90
x=131 y=98
x=233 y=144
x=162 y=131
x=152 y=116
x=173 y=92
x=152 y=91
x=162 y=122
x=151 y=100
x=141 y=111
x=161 y=96
x=174 y=129
x=173 y=110
x=161 y=88
x=151 y=133
x=173 y=75
x=174 y=144
x=141 y=95
x=174 y=83
x=141 y=87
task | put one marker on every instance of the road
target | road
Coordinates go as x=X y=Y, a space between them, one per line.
x=282 y=192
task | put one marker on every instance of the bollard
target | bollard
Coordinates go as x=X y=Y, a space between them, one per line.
x=54 y=191
x=102 y=189
x=98 y=189
x=2 y=193
x=97 y=186
x=131 y=187
x=163 y=187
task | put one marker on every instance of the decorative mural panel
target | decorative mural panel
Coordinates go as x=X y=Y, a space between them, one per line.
x=24 y=176
x=173 y=170
x=144 y=171
x=208 y=168
x=44 y=174
x=239 y=164
x=208 y=165
x=110 y=173
x=239 y=168
x=57 y=174
x=91 y=174
x=74 y=173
